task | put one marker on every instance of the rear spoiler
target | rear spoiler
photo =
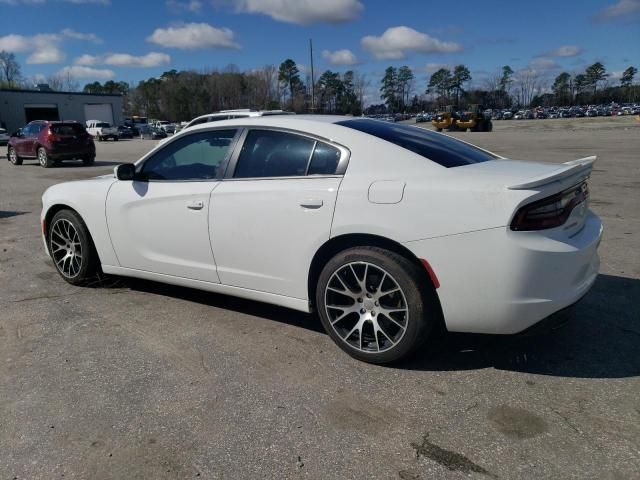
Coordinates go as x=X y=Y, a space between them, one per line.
x=581 y=166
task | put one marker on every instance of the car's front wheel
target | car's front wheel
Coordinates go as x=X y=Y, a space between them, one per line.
x=89 y=160
x=13 y=156
x=375 y=304
x=71 y=248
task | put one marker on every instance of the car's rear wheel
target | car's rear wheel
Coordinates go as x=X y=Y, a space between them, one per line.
x=89 y=160
x=375 y=304
x=71 y=248
x=44 y=159
x=13 y=156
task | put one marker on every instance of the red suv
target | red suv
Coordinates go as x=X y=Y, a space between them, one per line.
x=50 y=143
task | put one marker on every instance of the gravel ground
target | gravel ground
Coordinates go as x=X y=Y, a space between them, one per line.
x=133 y=379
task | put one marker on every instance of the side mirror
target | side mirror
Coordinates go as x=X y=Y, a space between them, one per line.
x=125 y=172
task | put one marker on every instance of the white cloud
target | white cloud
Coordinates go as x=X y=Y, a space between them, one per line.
x=192 y=36
x=86 y=60
x=79 y=71
x=89 y=37
x=152 y=59
x=193 y=6
x=46 y=54
x=626 y=10
x=303 y=12
x=434 y=67
x=395 y=42
x=340 y=57
x=543 y=64
x=565 y=51
x=43 y=47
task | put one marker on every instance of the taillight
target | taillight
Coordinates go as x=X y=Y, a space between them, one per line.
x=52 y=137
x=550 y=212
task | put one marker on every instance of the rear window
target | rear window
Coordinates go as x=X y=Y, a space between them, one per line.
x=441 y=149
x=102 y=125
x=67 y=129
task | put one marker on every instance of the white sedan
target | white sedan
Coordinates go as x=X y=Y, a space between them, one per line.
x=390 y=232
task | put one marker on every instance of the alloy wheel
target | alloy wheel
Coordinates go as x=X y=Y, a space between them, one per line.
x=366 y=307
x=42 y=157
x=66 y=248
x=13 y=156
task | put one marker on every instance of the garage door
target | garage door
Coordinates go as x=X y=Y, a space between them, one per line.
x=40 y=111
x=98 y=111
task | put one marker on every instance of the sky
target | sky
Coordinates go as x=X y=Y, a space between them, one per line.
x=132 y=40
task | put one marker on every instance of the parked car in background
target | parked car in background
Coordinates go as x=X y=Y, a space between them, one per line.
x=147 y=132
x=231 y=114
x=125 y=132
x=4 y=137
x=102 y=130
x=165 y=125
x=50 y=143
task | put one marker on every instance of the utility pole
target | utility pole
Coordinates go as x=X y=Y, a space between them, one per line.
x=313 y=82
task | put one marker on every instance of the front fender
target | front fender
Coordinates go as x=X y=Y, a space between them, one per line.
x=88 y=198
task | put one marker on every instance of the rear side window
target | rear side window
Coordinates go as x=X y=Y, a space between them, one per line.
x=325 y=160
x=441 y=149
x=68 y=129
x=267 y=153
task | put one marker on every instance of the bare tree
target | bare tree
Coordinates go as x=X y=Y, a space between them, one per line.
x=9 y=69
x=527 y=83
x=361 y=84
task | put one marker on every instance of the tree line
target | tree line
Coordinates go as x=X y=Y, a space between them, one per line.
x=183 y=95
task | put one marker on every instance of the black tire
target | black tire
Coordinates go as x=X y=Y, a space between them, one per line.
x=88 y=264
x=43 y=158
x=421 y=311
x=13 y=156
x=438 y=129
x=115 y=139
x=89 y=160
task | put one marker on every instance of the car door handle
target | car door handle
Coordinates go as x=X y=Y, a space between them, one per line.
x=311 y=203
x=196 y=205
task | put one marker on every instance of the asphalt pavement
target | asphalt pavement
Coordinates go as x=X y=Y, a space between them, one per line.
x=133 y=379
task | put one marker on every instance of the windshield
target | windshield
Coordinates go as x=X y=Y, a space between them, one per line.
x=441 y=149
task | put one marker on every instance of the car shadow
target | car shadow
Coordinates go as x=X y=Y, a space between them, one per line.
x=227 y=302
x=602 y=340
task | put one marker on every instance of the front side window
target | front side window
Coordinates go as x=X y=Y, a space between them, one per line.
x=193 y=157
x=268 y=153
